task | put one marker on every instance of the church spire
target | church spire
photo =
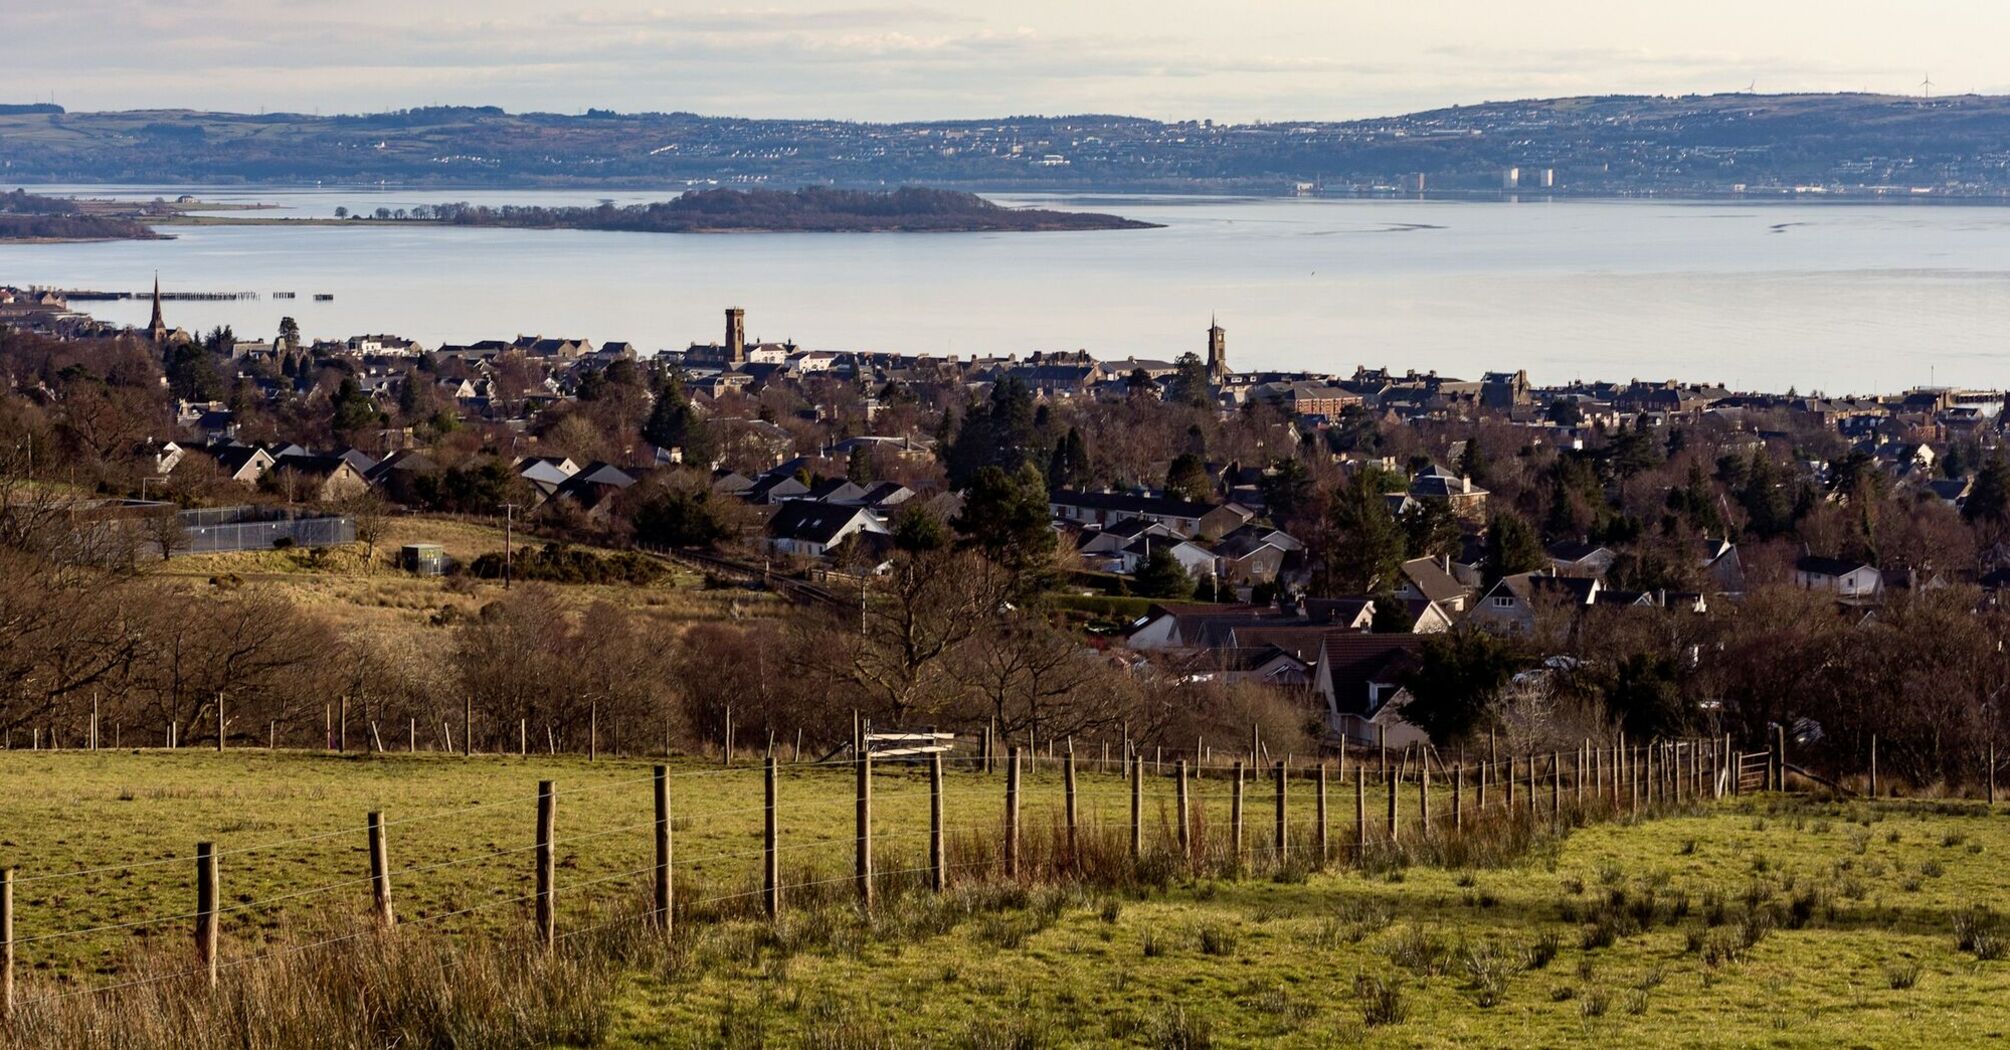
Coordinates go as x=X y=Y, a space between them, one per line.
x=157 y=329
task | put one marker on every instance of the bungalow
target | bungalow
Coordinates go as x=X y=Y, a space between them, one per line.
x=1431 y=580
x=594 y=486
x=317 y=479
x=1578 y=558
x=774 y=487
x=808 y=528
x=1465 y=499
x=1847 y=579
x=1193 y=625
x=1183 y=517
x=1247 y=556
x=1197 y=560
x=160 y=455
x=243 y=463
x=1360 y=676
x=1513 y=603
x=546 y=473
x=1112 y=539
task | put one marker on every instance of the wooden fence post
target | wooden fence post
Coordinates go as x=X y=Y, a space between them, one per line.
x=1737 y=771
x=862 y=868
x=938 y=866
x=1583 y=759
x=1235 y=814
x=771 y=858
x=1137 y=809
x=219 y=724
x=660 y=782
x=726 y=740
x=205 y=908
x=1281 y=839
x=1458 y=797
x=1509 y=782
x=547 y=870
x=1992 y=772
x=1392 y=785
x=412 y=736
x=593 y=732
x=1424 y=792
x=380 y=872
x=1555 y=785
x=523 y=737
x=1180 y=807
x=1360 y=813
x=1873 y=765
x=342 y=723
x=1073 y=814
x=1012 y=813
x=6 y=945
x=1319 y=813
x=1481 y=798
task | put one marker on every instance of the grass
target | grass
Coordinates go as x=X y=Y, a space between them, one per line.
x=1645 y=932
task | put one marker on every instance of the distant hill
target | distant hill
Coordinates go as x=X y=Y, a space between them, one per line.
x=814 y=209
x=26 y=216
x=1848 y=143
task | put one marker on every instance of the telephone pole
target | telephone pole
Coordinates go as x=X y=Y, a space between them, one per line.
x=509 y=550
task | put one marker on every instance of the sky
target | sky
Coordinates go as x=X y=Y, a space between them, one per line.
x=928 y=59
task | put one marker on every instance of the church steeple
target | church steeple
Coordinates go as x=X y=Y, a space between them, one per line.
x=158 y=329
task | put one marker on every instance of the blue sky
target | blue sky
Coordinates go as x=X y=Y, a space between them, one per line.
x=896 y=59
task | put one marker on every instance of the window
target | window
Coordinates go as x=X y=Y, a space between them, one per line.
x=1504 y=603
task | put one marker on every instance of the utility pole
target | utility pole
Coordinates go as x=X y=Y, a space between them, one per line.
x=509 y=553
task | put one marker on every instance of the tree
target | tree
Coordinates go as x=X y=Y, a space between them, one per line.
x=1069 y=466
x=368 y=510
x=1473 y=461
x=1989 y=499
x=916 y=529
x=1431 y=530
x=165 y=532
x=1190 y=384
x=1162 y=576
x=289 y=335
x=859 y=468
x=1188 y=479
x=996 y=433
x=1286 y=489
x=192 y=373
x=1511 y=547
x=1006 y=517
x=674 y=424
x=1564 y=412
x=680 y=509
x=1364 y=545
x=354 y=410
x=1459 y=675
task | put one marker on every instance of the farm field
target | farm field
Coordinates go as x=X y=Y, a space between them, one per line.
x=1767 y=920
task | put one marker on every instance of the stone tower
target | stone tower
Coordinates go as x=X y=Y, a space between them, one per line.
x=736 y=337
x=1217 y=351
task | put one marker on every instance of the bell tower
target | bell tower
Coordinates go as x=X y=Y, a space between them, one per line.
x=736 y=337
x=158 y=329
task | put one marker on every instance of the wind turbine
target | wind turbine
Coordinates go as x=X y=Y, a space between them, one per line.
x=1926 y=86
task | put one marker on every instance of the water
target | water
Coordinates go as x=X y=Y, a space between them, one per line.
x=1838 y=298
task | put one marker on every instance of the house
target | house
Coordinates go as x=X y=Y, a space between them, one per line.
x=1183 y=517
x=1426 y=616
x=1513 y=603
x=400 y=473
x=1580 y=558
x=1112 y=539
x=837 y=490
x=1352 y=614
x=1360 y=677
x=161 y=456
x=317 y=479
x=1722 y=564
x=1197 y=560
x=774 y=487
x=1431 y=580
x=546 y=473
x=1465 y=499
x=243 y=463
x=1264 y=664
x=594 y=487
x=1847 y=579
x=1194 y=625
x=810 y=529
x=1249 y=556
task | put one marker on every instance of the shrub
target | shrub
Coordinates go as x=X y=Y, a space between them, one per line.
x=1381 y=1001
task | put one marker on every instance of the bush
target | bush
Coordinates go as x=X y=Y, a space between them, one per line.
x=558 y=563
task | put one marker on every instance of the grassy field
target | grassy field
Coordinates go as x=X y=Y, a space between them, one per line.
x=355 y=594
x=1763 y=921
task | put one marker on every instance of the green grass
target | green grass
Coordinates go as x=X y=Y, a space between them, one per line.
x=1762 y=922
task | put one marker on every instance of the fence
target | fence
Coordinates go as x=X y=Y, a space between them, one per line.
x=221 y=530
x=1017 y=816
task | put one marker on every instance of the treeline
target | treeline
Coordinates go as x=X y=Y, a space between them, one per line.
x=27 y=216
x=813 y=209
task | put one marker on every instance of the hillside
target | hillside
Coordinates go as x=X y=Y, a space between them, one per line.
x=1600 y=144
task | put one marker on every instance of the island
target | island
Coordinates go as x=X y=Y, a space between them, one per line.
x=812 y=209
x=30 y=217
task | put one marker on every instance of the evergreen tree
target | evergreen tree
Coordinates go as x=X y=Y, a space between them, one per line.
x=1459 y=675
x=354 y=410
x=1473 y=461
x=673 y=423
x=1365 y=544
x=1068 y=468
x=1162 y=576
x=858 y=468
x=1190 y=383
x=1188 y=479
x=1006 y=516
x=1512 y=546
x=289 y=335
x=1287 y=489
x=1989 y=499
x=1763 y=499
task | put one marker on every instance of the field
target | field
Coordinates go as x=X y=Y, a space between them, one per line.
x=1768 y=920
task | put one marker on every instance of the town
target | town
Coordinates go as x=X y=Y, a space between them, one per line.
x=1385 y=555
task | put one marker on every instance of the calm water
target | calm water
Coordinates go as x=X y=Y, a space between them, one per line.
x=1838 y=298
